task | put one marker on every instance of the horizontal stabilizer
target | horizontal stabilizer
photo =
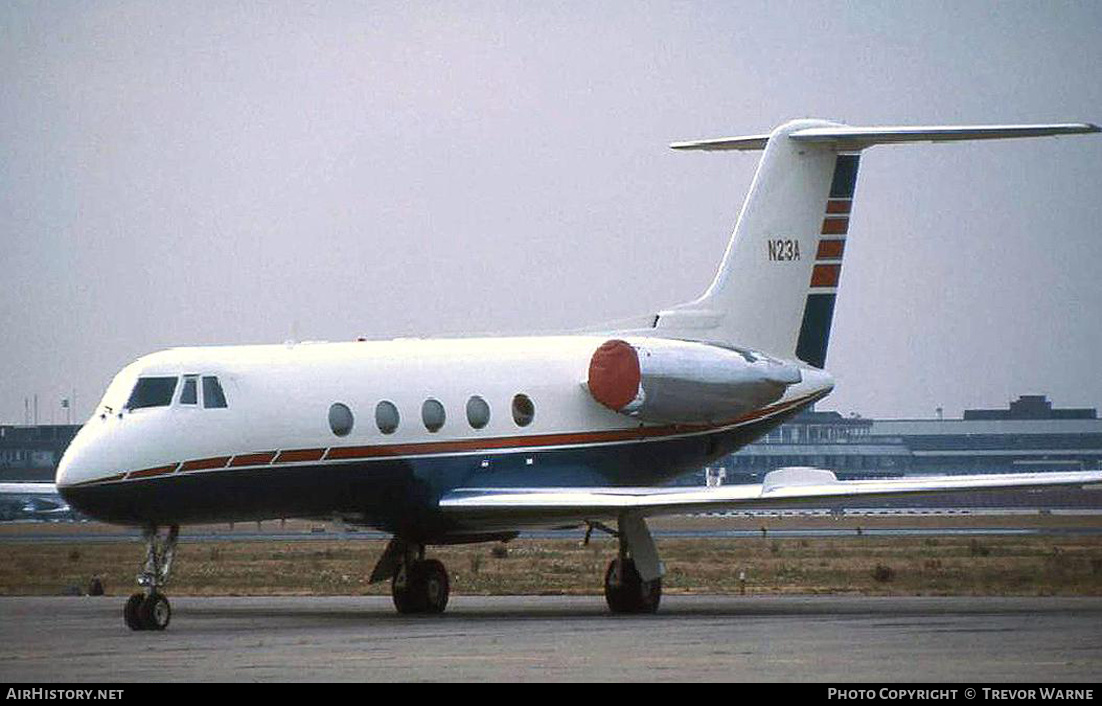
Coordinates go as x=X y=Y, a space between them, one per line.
x=845 y=138
x=748 y=143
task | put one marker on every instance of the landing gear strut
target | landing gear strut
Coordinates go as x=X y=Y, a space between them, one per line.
x=626 y=589
x=149 y=609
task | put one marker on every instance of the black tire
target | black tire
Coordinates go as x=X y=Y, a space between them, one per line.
x=424 y=588
x=614 y=588
x=433 y=584
x=130 y=612
x=627 y=593
x=404 y=591
x=155 y=612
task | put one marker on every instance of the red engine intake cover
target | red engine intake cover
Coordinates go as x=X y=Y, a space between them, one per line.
x=614 y=375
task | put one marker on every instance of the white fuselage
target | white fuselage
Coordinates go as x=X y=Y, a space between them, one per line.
x=278 y=401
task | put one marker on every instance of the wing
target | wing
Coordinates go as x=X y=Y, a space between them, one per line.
x=28 y=488
x=517 y=508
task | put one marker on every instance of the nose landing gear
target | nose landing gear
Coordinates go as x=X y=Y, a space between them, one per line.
x=150 y=609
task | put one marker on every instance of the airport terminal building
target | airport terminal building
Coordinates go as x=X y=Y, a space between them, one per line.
x=1029 y=435
x=31 y=453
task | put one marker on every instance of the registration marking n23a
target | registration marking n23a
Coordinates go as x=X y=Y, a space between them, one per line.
x=783 y=249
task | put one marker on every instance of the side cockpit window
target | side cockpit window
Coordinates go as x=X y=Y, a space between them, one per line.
x=213 y=397
x=152 y=392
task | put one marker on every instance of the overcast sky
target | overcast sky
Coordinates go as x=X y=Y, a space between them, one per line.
x=189 y=173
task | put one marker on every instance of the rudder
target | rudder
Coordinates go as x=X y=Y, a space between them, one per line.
x=811 y=345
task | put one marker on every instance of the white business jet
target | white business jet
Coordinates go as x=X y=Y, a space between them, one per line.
x=447 y=441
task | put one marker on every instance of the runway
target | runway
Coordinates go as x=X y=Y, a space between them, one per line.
x=728 y=638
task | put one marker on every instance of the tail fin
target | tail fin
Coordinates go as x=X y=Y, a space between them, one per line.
x=776 y=287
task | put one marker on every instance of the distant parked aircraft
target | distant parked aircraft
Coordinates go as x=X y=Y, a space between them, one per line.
x=31 y=501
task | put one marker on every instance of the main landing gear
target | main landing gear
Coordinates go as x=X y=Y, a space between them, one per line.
x=417 y=585
x=149 y=609
x=633 y=581
x=626 y=592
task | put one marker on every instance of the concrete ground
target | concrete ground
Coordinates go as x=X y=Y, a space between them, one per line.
x=729 y=638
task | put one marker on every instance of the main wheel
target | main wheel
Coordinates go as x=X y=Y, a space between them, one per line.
x=434 y=585
x=155 y=612
x=130 y=612
x=421 y=587
x=627 y=592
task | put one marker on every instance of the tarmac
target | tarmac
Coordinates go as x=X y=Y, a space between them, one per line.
x=829 y=639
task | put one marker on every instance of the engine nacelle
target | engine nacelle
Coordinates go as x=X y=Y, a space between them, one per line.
x=680 y=382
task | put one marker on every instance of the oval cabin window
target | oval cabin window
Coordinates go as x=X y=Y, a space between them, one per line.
x=478 y=412
x=432 y=414
x=340 y=419
x=523 y=410
x=386 y=417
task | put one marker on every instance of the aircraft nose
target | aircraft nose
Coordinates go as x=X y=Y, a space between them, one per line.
x=86 y=475
x=74 y=466
x=66 y=474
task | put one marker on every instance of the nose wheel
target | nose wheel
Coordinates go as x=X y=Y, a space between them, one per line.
x=147 y=612
x=150 y=609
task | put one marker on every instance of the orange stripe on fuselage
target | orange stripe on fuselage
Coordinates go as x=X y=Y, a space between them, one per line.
x=298 y=455
x=108 y=479
x=205 y=463
x=522 y=442
x=148 y=472
x=253 y=459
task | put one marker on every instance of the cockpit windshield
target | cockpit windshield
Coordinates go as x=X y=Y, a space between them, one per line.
x=152 y=392
x=158 y=392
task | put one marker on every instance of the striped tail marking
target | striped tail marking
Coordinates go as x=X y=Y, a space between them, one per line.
x=811 y=346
